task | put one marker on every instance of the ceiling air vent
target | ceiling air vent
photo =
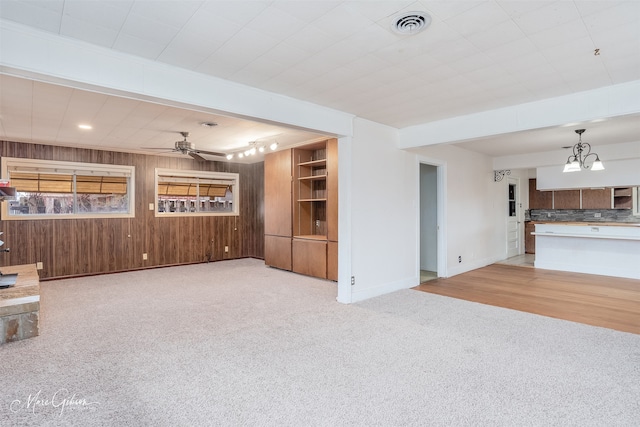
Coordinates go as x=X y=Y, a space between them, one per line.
x=410 y=23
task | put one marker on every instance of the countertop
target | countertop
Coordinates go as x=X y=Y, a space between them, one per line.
x=28 y=283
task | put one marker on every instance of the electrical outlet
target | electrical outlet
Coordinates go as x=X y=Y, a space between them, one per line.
x=39 y=266
x=144 y=256
x=226 y=249
x=353 y=280
x=151 y=206
x=597 y=215
x=460 y=259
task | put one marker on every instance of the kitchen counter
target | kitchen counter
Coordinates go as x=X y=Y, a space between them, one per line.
x=610 y=249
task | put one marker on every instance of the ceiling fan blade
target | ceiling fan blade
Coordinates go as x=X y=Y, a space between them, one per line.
x=196 y=156
x=211 y=153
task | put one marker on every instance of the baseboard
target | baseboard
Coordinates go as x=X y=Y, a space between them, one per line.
x=463 y=268
x=385 y=289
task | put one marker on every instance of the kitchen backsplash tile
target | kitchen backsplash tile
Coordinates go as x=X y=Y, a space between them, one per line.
x=578 y=215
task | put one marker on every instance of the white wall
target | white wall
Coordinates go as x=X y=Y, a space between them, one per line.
x=476 y=208
x=383 y=212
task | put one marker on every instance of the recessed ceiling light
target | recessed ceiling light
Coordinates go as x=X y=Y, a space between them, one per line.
x=85 y=127
x=409 y=23
x=208 y=124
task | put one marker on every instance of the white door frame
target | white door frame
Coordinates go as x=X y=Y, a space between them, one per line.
x=518 y=217
x=441 y=213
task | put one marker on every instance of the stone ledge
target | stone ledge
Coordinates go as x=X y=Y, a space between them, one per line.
x=20 y=305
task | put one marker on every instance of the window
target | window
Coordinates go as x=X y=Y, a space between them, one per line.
x=48 y=189
x=180 y=192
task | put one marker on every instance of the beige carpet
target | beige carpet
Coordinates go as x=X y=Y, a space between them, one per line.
x=235 y=343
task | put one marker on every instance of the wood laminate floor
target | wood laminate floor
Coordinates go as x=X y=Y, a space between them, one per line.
x=609 y=302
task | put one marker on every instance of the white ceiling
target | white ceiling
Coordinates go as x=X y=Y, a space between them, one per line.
x=475 y=56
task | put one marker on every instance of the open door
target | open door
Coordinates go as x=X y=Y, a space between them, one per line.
x=514 y=243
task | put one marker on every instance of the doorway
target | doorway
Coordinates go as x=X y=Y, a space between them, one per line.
x=514 y=240
x=428 y=222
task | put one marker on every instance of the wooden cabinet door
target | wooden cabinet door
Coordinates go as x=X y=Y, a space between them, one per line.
x=566 y=199
x=596 y=198
x=529 y=240
x=332 y=261
x=539 y=199
x=310 y=257
x=277 y=252
x=277 y=193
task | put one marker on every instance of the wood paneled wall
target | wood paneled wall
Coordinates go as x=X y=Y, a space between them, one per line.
x=69 y=247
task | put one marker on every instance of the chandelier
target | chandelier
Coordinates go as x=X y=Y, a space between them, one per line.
x=581 y=152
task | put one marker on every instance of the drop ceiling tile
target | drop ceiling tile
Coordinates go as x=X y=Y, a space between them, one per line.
x=145 y=28
x=561 y=34
x=314 y=66
x=311 y=39
x=89 y=32
x=105 y=14
x=369 y=39
x=257 y=71
x=496 y=35
x=470 y=63
x=381 y=10
x=454 y=51
x=211 y=26
x=518 y=8
x=276 y=23
x=490 y=77
x=288 y=81
x=247 y=43
x=307 y=11
x=511 y=51
x=544 y=18
x=195 y=43
x=448 y=9
x=223 y=64
x=479 y=18
x=368 y=63
x=342 y=21
x=170 y=13
x=181 y=57
x=577 y=48
x=624 y=34
x=137 y=46
x=523 y=63
x=286 y=55
x=610 y=18
x=46 y=16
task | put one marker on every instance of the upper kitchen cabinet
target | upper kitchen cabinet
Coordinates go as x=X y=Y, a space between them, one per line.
x=596 y=198
x=623 y=198
x=566 y=199
x=539 y=199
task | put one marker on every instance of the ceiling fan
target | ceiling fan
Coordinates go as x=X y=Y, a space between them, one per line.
x=187 y=147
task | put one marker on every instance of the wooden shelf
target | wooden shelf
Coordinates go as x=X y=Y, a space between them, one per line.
x=321 y=162
x=311 y=237
x=312 y=177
